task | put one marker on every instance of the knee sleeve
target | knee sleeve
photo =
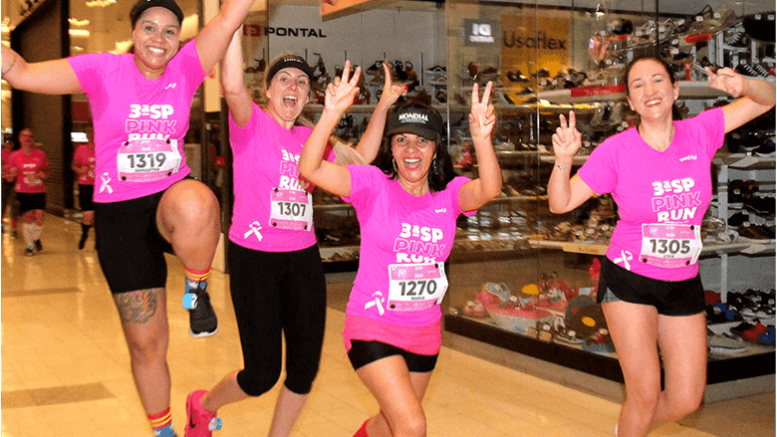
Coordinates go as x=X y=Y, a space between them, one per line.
x=256 y=382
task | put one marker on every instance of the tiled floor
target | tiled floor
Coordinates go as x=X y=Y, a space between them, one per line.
x=65 y=369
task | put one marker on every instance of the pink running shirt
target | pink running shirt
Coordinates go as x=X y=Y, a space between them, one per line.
x=85 y=156
x=26 y=167
x=6 y=160
x=273 y=211
x=652 y=187
x=133 y=119
x=398 y=229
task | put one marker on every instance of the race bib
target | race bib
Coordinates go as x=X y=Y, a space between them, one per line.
x=670 y=245
x=414 y=287
x=33 y=181
x=148 y=160
x=291 y=209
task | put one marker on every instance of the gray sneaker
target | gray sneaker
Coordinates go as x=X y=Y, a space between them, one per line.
x=202 y=319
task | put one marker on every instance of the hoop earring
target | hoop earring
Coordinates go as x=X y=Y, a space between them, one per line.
x=394 y=163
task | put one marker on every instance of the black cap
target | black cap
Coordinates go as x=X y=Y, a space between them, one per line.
x=418 y=120
x=142 y=5
x=289 y=61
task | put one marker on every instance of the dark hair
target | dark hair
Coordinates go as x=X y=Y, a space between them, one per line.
x=655 y=58
x=143 y=5
x=440 y=173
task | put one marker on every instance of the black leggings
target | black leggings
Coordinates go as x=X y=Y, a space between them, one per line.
x=278 y=294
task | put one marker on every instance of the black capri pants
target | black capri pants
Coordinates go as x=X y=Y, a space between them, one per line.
x=85 y=197
x=278 y=294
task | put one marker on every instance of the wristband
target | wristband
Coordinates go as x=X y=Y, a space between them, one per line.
x=3 y=73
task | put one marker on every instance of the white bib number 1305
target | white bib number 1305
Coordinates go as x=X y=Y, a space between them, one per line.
x=670 y=245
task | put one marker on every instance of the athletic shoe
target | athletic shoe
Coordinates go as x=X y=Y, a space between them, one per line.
x=29 y=251
x=38 y=246
x=199 y=421
x=202 y=319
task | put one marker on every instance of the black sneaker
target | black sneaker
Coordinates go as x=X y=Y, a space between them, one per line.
x=202 y=319
x=38 y=246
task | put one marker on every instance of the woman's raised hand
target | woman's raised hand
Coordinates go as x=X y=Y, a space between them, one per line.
x=391 y=91
x=567 y=139
x=481 y=117
x=341 y=92
x=728 y=80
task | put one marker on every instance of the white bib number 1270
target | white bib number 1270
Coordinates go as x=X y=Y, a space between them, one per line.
x=414 y=287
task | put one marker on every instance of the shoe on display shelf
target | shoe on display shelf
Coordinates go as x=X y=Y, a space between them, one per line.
x=437 y=69
x=760 y=27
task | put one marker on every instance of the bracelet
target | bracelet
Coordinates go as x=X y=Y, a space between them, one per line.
x=2 y=74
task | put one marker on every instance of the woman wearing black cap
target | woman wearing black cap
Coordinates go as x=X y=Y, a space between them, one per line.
x=276 y=275
x=407 y=203
x=141 y=102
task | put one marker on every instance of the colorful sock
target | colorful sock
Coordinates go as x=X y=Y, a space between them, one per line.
x=162 y=423
x=196 y=278
x=28 y=233
x=36 y=231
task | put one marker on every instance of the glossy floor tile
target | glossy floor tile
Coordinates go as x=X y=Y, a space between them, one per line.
x=65 y=368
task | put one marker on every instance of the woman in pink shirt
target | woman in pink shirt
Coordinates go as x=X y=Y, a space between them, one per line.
x=659 y=175
x=407 y=203
x=83 y=166
x=30 y=168
x=144 y=205
x=9 y=191
x=277 y=278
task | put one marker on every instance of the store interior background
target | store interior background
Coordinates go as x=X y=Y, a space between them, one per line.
x=425 y=34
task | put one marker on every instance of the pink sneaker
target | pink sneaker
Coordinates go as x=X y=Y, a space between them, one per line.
x=200 y=422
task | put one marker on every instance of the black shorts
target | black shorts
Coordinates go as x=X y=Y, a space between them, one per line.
x=129 y=246
x=31 y=201
x=671 y=298
x=85 y=197
x=365 y=352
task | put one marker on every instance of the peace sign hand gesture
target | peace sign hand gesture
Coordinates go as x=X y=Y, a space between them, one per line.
x=391 y=91
x=567 y=139
x=481 y=117
x=728 y=80
x=341 y=92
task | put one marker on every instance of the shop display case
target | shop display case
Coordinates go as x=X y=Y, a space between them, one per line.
x=550 y=60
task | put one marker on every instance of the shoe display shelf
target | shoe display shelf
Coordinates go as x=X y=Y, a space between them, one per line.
x=605 y=93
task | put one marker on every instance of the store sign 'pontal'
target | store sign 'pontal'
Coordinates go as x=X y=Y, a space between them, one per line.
x=299 y=32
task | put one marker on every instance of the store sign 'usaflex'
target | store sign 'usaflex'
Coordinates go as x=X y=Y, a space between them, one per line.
x=480 y=32
x=538 y=41
x=299 y=32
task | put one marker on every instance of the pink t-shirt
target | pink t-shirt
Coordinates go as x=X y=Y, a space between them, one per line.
x=273 y=210
x=26 y=167
x=404 y=242
x=85 y=156
x=134 y=118
x=652 y=187
x=6 y=159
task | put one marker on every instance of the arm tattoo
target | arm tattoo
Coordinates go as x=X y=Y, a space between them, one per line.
x=137 y=306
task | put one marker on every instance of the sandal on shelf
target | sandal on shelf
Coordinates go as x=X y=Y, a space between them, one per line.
x=499 y=290
x=475 y=309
